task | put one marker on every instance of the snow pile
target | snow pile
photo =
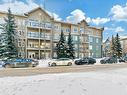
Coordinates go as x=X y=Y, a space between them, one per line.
x=1 y=66
x=112 y=82
x=98 y=61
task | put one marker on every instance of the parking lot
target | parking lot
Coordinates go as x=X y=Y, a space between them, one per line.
x=58 y=69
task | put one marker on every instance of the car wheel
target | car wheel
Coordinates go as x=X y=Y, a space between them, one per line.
x=89 y=62
x=53 y=64
x=30 y=65
x=69 y=64
x=92 y=63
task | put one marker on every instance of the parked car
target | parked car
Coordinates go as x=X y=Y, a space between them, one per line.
x=60 y=62
x=85 y=60
x=125 y=58
x=19 y=63
x=1 y=63
x=108 y=60
x=121 y=60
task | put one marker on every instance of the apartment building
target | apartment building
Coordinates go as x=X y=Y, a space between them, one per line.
x=123 y=41
x=38 y=34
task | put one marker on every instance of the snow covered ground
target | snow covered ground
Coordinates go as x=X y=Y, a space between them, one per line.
x=107 y=82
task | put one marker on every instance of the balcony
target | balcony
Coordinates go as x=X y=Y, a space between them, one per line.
x=41 y=48
x=36 y=35
x=32 y=37
x=45 y=48
x=84 y=40
x=37 y=24
x=56 y=39
x=47 y=37
x=32 y=48
x=81 y=49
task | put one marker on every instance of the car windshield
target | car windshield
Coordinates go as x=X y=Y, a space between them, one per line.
x=19 y=60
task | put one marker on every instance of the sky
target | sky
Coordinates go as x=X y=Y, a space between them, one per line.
x=110 y=14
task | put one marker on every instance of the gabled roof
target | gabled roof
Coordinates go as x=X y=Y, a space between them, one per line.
x=33 y=10
x=107 y=40
x=84 y=21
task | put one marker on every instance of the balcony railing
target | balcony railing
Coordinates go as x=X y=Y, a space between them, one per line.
x=46 y=47
x=35 y=35
x=37 y=24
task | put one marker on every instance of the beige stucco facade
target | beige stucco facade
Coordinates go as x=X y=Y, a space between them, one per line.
x=38 y=34
x=124 y=45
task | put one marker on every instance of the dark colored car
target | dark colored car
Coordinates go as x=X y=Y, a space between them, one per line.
x=121 y=60
x=86 y=60
x=19 y=63
x=108 y=60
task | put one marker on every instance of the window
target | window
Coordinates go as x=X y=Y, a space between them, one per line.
x=56 y=37
x=48 y=25
x=67 y=30
x=42 y=35
x=97 y=47
x=90 y=39
x=97 y=40
x=56 y=27
x=81 y=29
x=75 y=38
x=91 y=47
x=33 y=34
x=75 y=29
x=91 y=32
x=47 y=35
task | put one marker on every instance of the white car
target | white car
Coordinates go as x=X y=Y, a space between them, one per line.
x=61 y=62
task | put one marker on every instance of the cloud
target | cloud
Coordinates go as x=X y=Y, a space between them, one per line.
x=54 y=15
x=115 y=29
x=78 y=15
x=109 y=29
x=99 y=20
x=20 y=7
x=119 y=13
x=119 y=29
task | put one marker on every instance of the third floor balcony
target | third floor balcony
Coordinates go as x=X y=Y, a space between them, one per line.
x=38 y=24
